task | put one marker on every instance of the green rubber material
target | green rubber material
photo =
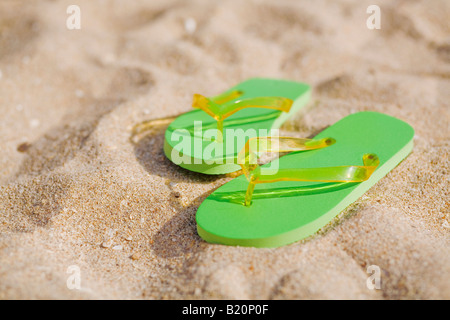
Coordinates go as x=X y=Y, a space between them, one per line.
x=251 y=118
x=288 y=211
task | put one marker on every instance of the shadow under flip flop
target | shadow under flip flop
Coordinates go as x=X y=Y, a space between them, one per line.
x=148 y=140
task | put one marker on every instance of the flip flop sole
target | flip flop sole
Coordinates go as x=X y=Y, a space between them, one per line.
x=285 y=212
x=192 y=151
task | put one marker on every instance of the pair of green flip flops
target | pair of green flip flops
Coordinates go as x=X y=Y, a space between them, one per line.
x=293 y=196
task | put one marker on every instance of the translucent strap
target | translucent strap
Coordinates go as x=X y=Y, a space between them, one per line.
x=223 y=106
x=149 y=127
x=248 y=156
x=227 y=96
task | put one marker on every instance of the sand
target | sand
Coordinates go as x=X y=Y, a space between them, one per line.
x=77 y=194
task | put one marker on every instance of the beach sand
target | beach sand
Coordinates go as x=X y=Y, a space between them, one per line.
x=78 y=197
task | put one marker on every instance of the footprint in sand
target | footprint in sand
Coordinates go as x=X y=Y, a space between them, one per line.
x=17 y=29
x=270 y=22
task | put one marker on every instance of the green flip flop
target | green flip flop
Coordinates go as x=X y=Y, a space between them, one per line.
x=294 y=196
x=222 y=124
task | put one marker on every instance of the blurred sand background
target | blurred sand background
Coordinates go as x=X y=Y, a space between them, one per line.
x=74 y=191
